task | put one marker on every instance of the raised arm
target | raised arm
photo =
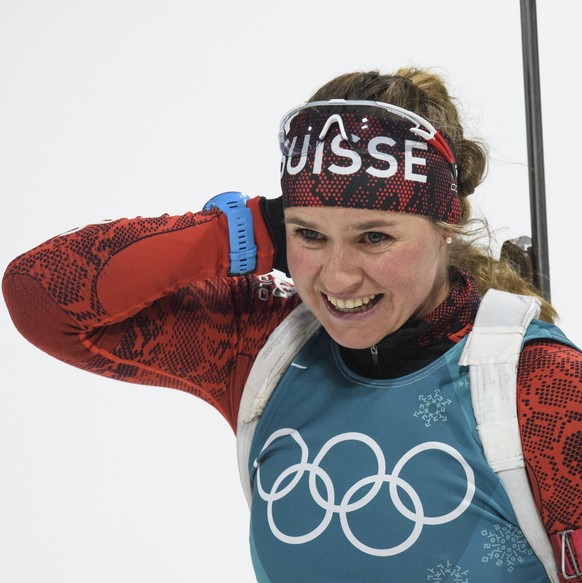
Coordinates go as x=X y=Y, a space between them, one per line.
x=149 y=300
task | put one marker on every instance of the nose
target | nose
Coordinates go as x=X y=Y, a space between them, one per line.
x=341 y=272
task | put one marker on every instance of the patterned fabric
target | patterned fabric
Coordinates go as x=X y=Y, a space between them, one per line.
x=454 y=318
x=550 y=412
x=136 y=300
x=387 y=168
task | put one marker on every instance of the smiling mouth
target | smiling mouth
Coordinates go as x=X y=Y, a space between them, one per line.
x=355 y=305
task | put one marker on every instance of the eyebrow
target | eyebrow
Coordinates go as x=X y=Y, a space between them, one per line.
x=353 y=227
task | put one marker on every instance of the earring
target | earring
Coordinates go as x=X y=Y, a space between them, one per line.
x=448 y=240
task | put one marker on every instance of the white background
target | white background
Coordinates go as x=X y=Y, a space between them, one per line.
x=126 y=108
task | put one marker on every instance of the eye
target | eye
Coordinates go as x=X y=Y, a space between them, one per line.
x=374 y=238
x=308 y=235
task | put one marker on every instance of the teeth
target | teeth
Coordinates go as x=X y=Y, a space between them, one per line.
x=350 y=304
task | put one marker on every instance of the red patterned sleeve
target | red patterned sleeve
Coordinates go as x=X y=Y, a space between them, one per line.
x=149 y=301
x=550 y=416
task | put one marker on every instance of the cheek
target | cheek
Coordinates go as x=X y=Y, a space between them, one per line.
x=293 y=258
x=412 y=270
x=301 y=264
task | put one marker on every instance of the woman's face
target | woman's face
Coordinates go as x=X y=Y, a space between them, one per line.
x=364 y=273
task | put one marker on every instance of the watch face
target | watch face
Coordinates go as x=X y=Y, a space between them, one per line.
x=227 y=200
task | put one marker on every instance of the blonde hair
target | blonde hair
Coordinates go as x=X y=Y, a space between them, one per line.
x=425 y=93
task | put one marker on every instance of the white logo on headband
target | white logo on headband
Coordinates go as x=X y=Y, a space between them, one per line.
x=294 y=164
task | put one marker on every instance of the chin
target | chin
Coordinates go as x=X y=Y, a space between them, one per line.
x=354 y=342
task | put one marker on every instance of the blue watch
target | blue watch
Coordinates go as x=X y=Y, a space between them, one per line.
x=243 y=251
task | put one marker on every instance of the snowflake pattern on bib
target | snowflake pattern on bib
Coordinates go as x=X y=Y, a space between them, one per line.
x=448 y=572
x=432 y=408
x=506 y=546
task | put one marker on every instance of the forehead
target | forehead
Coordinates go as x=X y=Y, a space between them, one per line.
x=350 y=218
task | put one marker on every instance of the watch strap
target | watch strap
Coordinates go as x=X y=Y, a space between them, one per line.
x=243 y=251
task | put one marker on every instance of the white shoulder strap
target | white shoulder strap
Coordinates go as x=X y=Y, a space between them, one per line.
x=271 y=363
x=492 y=352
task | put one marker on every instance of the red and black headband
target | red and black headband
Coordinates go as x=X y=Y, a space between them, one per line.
x=367 y=154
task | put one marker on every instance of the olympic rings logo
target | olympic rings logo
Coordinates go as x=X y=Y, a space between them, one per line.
x=346 y=506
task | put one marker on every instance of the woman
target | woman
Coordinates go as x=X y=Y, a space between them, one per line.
x=364 y=463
